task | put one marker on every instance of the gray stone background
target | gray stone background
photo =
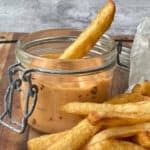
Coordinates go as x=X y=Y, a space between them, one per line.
x=32 y=15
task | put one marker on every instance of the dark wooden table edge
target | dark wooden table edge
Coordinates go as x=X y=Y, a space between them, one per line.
x=17 y=35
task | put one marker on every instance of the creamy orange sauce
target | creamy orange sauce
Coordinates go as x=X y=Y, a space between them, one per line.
x=57 y=90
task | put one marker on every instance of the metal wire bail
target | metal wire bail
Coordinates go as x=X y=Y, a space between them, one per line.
x=15 y=84
x=120 y=50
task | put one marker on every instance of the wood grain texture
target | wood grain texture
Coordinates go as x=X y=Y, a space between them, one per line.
x=4 y=51
x=127 y=39
x=10 y=140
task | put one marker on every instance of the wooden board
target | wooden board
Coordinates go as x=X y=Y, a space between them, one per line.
x=8 y=139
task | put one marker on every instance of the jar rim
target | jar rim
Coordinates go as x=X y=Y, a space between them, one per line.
x=21 y=46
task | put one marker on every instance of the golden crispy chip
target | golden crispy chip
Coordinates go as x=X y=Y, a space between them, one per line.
x=127 y=98
x=45 y=141
x=92 y=33
x=145 y=88
x=136 y=88
x=117 y=132
x=114 y=145
x=80 y=108
x=77 y=136
x=143 y=138
x=136 y=117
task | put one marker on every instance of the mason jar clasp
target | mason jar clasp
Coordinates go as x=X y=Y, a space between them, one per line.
x=15 y=85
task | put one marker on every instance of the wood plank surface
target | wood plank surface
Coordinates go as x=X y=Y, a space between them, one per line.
x=8 y=139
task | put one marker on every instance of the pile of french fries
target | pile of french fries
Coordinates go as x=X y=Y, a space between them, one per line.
x=121 y=123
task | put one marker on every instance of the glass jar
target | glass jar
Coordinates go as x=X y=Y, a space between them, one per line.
x=88 y=79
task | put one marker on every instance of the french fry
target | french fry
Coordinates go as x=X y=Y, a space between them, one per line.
x=92 y=33
x=117 y=132
x=77 y=137
x=138 y=117
x=136 y=88
x=43 y=142
x=114 y=145
x=80 y=108
x=143 y=138
x=145 y=88
x=127 y=98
